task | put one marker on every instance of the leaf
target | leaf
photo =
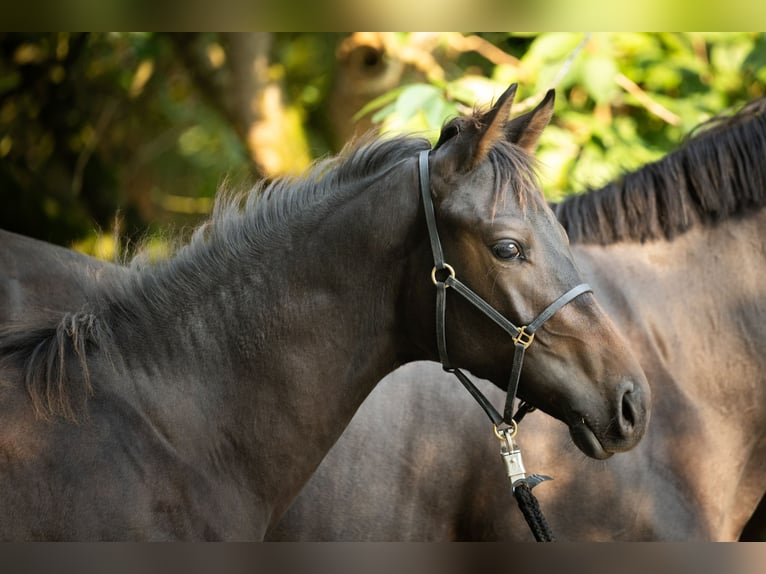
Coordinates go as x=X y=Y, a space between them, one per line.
x=417 y=97
x=756 y=59
x=730 y=56
x=439 y=112
x=378 y=102
x=598 y=76
x=383 y=113
x=552 y=46
x=475 y=90
x=9 y=81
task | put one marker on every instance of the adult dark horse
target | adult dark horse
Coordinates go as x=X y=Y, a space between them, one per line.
x=192 y=399
x=676 y=251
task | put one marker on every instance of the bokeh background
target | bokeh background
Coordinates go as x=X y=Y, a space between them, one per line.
x=109 y=140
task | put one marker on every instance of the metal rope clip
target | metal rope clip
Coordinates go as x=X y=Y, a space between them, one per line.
x=514 y=464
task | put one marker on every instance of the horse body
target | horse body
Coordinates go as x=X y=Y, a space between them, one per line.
x=691 y=301
x=185 y=444
x=696 y=313
x=192 y=399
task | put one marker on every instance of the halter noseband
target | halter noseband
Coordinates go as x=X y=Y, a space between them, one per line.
x=522 y=336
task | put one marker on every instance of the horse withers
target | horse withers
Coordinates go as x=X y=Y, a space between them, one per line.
x=676 y=252
x=193 y=398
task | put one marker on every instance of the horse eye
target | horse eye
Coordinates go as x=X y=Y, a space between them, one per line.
x=507 y=249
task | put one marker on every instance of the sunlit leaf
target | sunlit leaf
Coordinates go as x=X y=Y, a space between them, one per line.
x=475 y=90
x=378 y=102
x=598 y=76
x=415 y=98
x=730 y=56
x=552 y=46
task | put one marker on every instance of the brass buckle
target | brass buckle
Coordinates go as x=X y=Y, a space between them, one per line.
x=523 y=338
x=449 y=269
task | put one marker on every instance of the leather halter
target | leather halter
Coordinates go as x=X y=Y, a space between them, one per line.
x=522 y=336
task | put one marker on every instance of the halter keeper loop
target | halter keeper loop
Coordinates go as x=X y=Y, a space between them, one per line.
x=524 y=338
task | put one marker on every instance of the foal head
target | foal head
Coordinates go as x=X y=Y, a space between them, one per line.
x=506 y=245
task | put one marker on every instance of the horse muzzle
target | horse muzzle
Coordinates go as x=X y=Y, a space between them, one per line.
x=626 y=424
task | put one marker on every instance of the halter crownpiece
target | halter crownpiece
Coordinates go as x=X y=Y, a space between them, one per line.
x=522 y=336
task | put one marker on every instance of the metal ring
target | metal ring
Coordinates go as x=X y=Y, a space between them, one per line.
x=448 y=267
x=512 y=430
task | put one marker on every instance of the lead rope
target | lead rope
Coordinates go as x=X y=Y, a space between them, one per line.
x=530 y=508
x=521 y=484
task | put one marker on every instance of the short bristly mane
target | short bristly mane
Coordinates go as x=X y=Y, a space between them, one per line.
x=718 y=173
x=270 y=205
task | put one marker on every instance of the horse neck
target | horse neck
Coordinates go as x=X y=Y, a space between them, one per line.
x=280 y=346
x=695 y=308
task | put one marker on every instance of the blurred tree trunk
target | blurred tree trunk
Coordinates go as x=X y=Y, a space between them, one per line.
x=233 y=71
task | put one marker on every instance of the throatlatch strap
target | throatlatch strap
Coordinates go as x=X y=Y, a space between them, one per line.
x=484 y=403
x=441 y=327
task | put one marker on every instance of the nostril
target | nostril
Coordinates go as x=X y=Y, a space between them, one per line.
x=628 y=410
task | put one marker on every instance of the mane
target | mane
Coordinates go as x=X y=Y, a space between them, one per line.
x=716 y=174
x=271 y=205
x=53 y=357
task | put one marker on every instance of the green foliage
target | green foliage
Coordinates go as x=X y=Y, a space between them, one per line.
x=100 y=127
x=623 y=99
x=416 y=108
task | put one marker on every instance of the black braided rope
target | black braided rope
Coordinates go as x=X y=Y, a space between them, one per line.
x=530 y=508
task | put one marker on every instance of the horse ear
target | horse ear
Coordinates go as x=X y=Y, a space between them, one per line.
x=525 y=130
x=492 y=124
x=466 y=142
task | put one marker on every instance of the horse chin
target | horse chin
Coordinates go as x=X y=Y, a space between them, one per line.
x=586 y=441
